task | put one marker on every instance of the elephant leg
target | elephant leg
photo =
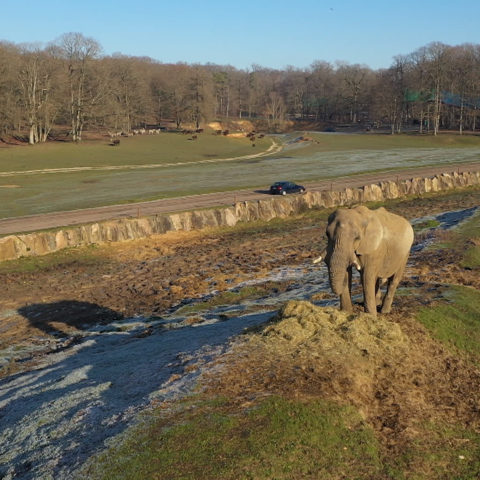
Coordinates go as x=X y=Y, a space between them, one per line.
x=346 y=295
x=393 y=282
x=369 y=293
x=378 y=292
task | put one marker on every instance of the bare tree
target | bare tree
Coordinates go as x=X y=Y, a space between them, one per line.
x=36 y=75
x=10 y=114
x=396 y=99
x=275 y=110
x=179 y=92
x=161 y=106
x=222 y=93
x=437 y=63
x=321 y=98
x=78 y=53
x=354 y=79
x=128 y=89
x=70 y=83
x=201 y=103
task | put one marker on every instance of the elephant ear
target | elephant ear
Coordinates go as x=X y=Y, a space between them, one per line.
x=371 y=237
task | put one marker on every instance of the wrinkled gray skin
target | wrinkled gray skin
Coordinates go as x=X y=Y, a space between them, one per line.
x=377 y=243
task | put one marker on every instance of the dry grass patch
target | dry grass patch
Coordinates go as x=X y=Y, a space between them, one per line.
x=389 y=368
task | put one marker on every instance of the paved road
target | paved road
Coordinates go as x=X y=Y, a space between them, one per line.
x=193 y=202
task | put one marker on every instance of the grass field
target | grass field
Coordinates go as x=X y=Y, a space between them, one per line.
x=282 y=439
x=137 y=150
x=336 y=142
x=279 y=439
x=329 y=155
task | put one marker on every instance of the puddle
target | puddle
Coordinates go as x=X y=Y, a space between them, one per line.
x=446 y=221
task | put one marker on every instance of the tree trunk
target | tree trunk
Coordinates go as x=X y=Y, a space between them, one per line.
x=31 y=135
x=436 y=110
x=460 y=128
x=227 y=107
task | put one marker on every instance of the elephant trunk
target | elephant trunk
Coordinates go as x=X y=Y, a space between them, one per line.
x=338 y=272
x=340 y=261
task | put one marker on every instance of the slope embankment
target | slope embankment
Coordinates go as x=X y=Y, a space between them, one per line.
x=41 y=243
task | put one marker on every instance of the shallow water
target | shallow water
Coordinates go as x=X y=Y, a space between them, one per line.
x=446 y=221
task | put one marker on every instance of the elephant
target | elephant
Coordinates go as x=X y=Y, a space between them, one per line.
x=377 y=243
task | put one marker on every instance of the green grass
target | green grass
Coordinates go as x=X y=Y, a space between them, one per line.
x=471 y=230
x=427 y=224
x=471 y=258
x=173 y=147
x=36 y=193
x=443 y=452
x=230 y=297
x=381 y=141
x=333 y=156
x=138 y=150
x=284 y=440
x=278 y=439
x=82 y=256
x=456 y=321
x=466 y=240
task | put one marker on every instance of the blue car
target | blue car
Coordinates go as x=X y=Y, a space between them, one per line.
x=282 y=188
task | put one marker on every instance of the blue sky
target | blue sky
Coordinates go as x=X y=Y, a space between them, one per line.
x=270 y=33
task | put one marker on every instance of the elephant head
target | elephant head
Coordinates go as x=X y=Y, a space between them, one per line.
x=351 y=233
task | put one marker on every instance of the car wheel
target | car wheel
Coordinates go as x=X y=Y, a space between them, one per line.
x=284 y=192
x=302 y=190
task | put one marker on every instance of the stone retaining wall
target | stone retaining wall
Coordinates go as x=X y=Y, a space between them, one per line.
x=41 y=243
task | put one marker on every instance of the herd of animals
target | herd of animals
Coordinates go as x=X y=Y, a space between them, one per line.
x=115 y=136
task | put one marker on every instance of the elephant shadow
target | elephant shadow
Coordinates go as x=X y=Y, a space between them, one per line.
x=58 y=318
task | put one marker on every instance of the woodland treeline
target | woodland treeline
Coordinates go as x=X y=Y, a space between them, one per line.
x=69 y=83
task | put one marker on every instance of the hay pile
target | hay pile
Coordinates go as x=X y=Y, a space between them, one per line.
x=392 y=371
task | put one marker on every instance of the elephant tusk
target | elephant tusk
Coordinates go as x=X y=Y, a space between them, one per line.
x=321 y=257
x=355 y=262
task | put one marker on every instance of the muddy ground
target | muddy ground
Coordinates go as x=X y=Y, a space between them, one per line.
x=46 y=310
x=149 y=277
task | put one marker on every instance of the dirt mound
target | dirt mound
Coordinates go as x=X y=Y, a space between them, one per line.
x=390 y=369
x=233 y=126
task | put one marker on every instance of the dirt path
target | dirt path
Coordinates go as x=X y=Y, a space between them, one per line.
x=194 y=202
